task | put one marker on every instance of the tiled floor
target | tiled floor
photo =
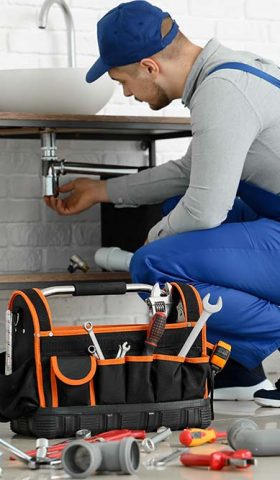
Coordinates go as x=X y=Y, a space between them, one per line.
x=225 y=412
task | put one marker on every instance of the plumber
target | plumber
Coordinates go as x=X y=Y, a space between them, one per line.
x=220 y=231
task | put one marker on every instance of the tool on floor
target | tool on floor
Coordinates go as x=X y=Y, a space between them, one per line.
x=123 y=349
x=208 y=309
x=163 y=461
x=219 y=459
x=41 y=448
x=192 y=437
x=32 y=462
x=81 y=459
x=160 y=299
x=55 y=451
x=245 y=433
x=155 y=332
x=77 y=262
x=149 y=444
x=83 y=433
x=94 y=349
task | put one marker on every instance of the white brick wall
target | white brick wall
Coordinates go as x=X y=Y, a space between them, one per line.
x=31 y=236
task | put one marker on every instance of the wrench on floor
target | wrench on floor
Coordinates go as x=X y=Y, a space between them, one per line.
x=208 y=309
x=96 y=350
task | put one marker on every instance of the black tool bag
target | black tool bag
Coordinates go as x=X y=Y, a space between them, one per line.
x=57 y=387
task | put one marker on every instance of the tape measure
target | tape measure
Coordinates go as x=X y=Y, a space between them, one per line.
x=220 y=356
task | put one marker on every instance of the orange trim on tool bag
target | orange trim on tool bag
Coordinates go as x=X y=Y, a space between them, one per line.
x=54 y=389
x=77 y=330
x=46 y=304
x=183 y=300
x=91 y=394
x=209 y=345
x=139 y=358
x=70 y=381
x=203 y=331
x=170 y=358
x=111 y=361
x=197 y=359
x=37 y=352
x=206 y=393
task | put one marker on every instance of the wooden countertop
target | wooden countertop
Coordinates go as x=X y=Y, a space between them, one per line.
x=92 y=118
x=43 y=280
x=30 y=125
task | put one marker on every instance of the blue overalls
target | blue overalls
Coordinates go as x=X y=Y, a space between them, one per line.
x=239 y=260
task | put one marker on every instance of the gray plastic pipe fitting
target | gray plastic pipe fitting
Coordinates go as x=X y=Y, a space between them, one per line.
x=81 y=459
x=113 y=259
x=245 y=434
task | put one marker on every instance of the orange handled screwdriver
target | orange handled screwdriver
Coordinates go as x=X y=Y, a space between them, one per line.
x=192 y=437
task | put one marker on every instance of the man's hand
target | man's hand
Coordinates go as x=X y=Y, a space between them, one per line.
x=83 y=194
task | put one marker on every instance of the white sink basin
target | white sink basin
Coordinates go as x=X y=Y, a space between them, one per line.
x=53 y=90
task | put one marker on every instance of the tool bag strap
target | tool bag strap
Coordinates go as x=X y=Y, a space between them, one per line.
x=191 y=302
x=37 y=304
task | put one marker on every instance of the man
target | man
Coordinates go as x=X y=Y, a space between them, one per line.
x=220 y=244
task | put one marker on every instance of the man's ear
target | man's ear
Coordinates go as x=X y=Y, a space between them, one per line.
x=150 y=65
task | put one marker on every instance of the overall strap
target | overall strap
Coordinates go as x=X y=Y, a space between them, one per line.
x=264 y=203
x=249 y=69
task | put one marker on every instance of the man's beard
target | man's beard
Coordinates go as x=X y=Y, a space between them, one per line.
x=162 y=99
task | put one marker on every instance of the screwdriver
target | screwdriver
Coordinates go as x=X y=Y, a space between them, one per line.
x=155 y=332
x=55 y=451
x=192 y=437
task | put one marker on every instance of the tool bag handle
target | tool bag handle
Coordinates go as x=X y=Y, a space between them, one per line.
x=97 y=288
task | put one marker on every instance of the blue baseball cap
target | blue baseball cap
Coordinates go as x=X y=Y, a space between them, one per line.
x=128 y=33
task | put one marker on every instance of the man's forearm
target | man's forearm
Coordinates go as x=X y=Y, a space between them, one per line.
x=152 y=185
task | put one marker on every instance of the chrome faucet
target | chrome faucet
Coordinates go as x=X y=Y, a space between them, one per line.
x=43 y=18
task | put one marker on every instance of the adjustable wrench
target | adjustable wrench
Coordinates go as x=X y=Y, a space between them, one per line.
x=94 y=349
x=208 y=309
x=160 y=299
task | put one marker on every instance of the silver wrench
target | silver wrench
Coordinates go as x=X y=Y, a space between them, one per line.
x=96 y=350
x=33 y=463
x=149 y=444
x=208 y=309
x=123 y=349
x=162 y=461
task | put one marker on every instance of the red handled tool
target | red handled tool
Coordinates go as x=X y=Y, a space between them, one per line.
x=219 y=459
x=55 y=451
x=192 y=437
x=155 y=332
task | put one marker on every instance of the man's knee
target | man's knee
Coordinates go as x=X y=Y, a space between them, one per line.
x=139 y=265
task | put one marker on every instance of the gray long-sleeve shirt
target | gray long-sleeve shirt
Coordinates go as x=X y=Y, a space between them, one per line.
x=235 y=119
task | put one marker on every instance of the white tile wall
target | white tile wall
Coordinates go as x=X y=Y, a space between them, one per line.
x=31 y=236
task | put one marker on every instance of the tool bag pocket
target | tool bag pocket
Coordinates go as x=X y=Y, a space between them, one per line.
x=139 y=387
x=167 y=375
x=18 y=390
x=110 y=381
x=195 y=372
x=72 y=380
